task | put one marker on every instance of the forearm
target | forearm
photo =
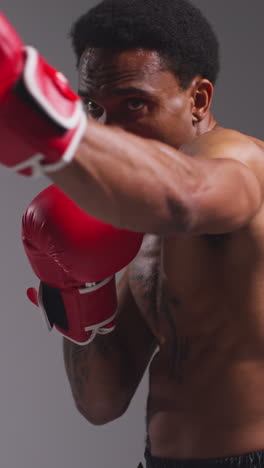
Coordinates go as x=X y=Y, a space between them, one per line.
x=128 y=181
x=101 y=377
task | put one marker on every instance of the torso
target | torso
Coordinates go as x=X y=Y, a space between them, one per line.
x=206 y=309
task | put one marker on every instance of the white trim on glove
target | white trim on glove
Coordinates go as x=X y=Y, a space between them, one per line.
x=78 y=120
x=31 y=83
x=95 y=329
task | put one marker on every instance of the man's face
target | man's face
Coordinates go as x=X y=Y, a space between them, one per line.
x=131 y=90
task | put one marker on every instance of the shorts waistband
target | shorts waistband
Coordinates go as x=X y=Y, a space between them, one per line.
x=248 y=460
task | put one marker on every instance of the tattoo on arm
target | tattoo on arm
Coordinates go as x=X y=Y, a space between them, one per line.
x=107 y=344
x=82 y=363
x=76 y=363
x=77 y=356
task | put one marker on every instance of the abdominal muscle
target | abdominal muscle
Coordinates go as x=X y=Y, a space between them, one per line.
x=205 y=308
x=212 y=410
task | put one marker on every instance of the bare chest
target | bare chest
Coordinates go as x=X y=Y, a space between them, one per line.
x=148 y=285
x=175 y=283
x=146 y=282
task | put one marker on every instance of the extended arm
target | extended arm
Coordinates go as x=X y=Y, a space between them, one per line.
x=146 y=185
x=120 y=178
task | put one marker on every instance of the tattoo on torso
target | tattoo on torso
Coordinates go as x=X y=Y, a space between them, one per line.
x=146 y=284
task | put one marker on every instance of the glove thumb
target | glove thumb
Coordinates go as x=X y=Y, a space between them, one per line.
x=32 y=294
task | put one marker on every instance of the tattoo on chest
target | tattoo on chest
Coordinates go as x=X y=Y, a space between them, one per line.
x=144 y=284
x=180 y=346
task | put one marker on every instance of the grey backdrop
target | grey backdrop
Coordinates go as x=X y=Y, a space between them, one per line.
x=39 y=425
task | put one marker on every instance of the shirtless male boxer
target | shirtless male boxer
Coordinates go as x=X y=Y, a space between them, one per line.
x=160 y=165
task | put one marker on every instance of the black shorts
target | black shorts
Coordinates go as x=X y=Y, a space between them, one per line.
x=249 y=460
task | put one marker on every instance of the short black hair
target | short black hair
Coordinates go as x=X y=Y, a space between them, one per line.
x=176 y=29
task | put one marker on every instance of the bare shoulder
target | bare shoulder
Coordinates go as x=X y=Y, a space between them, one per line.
x=228 y=144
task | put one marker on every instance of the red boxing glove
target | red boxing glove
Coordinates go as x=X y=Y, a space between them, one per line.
x=75 y=256
x=41 y=119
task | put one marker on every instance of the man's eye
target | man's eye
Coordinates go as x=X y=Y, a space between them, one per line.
x=92 y=109
x=135 y=104
x=91 y=106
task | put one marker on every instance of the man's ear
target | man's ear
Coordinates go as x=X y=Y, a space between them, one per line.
x=202 y=95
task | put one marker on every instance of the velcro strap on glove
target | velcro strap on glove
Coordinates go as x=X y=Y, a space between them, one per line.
x=69 y=310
